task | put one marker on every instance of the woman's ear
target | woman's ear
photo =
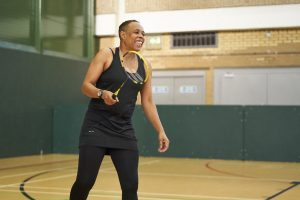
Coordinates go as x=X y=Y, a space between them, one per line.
x=123 y=35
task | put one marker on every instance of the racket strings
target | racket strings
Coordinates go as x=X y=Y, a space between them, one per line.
x=135 y=77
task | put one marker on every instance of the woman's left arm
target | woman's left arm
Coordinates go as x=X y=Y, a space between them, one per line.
x=152 y=115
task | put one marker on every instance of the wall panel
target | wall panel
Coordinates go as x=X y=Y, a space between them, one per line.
x=31 y=85
x=269 y=133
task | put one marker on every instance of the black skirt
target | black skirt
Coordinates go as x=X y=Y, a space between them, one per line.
x=107 y=129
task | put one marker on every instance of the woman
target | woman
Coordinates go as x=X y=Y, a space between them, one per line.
x=107 y=127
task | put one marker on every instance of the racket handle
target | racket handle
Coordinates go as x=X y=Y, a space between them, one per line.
x=114 y=96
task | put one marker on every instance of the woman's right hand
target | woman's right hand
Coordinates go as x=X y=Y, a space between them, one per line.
x=108 y=99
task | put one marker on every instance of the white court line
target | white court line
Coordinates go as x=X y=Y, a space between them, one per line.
x=73 y=174
x=56 y=193
x=34 y=172
x=142 y=193
x=170 y=196
x=37 y=172
x=212 y=177
x=107 y=170
x=69 y=175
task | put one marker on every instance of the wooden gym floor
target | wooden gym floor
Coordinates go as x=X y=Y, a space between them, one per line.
x=50 y=177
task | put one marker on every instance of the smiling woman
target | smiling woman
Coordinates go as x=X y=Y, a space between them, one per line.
x=107 y=127
x=132 y=34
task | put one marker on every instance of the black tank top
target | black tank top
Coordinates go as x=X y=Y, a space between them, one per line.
x=111 y=126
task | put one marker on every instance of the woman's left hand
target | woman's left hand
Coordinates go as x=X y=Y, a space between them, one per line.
x=163 y=142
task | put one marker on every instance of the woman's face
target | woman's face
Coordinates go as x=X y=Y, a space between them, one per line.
x=135 y=36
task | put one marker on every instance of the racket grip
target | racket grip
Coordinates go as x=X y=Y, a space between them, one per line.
x=114 y=96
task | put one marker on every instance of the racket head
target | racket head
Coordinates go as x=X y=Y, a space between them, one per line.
x=146 y=67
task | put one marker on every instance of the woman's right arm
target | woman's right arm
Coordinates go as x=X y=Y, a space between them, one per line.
x=100 y=63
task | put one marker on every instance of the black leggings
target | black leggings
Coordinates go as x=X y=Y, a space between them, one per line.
x=90 y=158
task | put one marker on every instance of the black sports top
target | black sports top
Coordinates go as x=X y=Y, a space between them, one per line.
x=111 y=126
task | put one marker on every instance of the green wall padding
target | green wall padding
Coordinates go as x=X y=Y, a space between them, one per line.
x=67 y=122
x=269 y=133
x=194 y=131
x=272 y=133
x=31 y=85
x=25 y=131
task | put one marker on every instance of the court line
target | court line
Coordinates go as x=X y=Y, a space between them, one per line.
x=55 y=193
x=22 y=185
x=211 y=177
x=236 y=176
x=294 y=184
x=207 y=165
x=165 y=174
x=36 y=164
x=22 y=189
x=104 y=170
x=107 y=170
x=163 y=196
x=69 y=175
x=34 y=172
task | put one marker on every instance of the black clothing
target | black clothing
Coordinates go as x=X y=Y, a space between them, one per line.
x=108 y=130
x=111 y=126
x=90 y=158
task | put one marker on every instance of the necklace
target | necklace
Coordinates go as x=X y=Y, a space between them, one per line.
x=126 y=63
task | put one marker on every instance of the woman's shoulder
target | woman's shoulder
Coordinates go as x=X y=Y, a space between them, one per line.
x=106 y=51
x=105 y=54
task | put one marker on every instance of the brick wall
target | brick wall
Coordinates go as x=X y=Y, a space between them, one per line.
x=240 y=49
x=252 y=48
x=243 y=40
x=231 y=44
x=159 y=5
x=105 y=6
x=108 y=6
